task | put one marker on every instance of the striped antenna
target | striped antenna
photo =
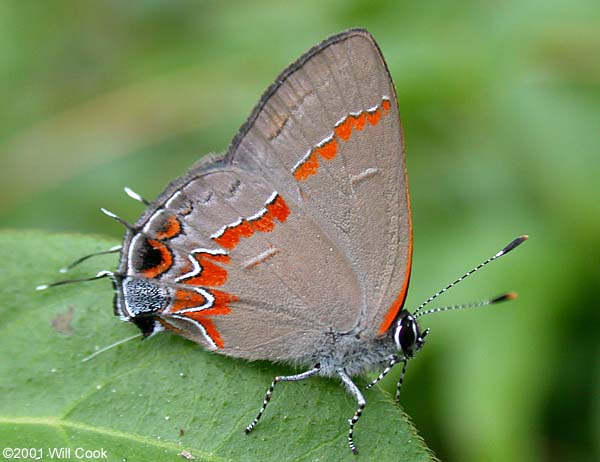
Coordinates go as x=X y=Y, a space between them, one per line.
x=119 y=219
x=100 y=275
x=501 y=298
x=512 y=245
x=116 y=248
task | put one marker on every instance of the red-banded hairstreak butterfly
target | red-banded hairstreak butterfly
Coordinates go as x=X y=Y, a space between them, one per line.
x=296 y=245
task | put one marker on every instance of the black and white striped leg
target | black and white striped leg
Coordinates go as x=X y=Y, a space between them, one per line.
x=354 y=391
x=402 y=374
x=283 y=378
x=393 y=362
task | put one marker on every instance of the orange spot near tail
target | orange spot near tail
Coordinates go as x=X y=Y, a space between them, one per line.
x=185 y=298
x=220 y=307
x=211 y=274
x=209 y=326
x=166 y=259
x=222 y=300
x=170 y=229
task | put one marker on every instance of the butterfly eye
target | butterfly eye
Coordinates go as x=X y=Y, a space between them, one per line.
x=408 y=338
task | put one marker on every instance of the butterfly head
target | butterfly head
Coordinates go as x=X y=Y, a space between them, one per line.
x=408 y=336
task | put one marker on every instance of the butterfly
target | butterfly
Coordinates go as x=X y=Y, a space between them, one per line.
x=295 y=246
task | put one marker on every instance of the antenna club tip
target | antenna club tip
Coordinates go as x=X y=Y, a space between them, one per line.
x=135 y=196
x=131 y=193
x=42 y=287
x=504 y=297
x=513 y=244
x=511 y=295
x=63 y=270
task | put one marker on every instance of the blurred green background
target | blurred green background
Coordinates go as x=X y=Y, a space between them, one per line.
x=501 y=111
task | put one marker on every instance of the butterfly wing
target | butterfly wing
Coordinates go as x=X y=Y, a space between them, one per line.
x=328 y=134
x=223 y=255
x=301 y=231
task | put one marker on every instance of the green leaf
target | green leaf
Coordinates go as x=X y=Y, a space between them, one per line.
x=150 y=400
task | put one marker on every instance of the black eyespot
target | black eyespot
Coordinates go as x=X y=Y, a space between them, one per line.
x=147 y=256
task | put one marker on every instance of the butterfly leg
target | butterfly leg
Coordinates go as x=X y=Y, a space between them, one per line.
x=282 y=378
x=393 y=362
x=401 y=380
x=354 y=391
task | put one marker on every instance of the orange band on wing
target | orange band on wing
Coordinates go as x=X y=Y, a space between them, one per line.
x=391 y=314
x=360 y=120
x=209 y=326
x=374 y=116
x=185 y=299
x=211 y=274
x=264 y=224
x=342 y=132
x=328 y=150
x=308 y=168
x=386 y=105
x=200 y=303
x=231 y=236
x=220 y=307
x=170 y=229
x=264 y=221
x=279 y=209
